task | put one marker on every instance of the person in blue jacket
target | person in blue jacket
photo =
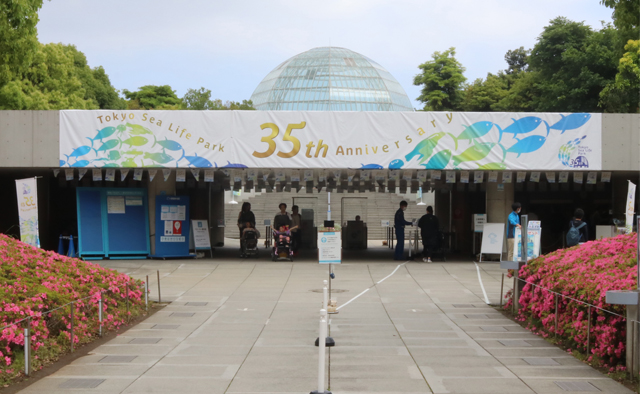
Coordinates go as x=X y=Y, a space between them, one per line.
x=399 y=224
x=512 y=223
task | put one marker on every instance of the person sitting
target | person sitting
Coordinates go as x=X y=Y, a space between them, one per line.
x=250 y=228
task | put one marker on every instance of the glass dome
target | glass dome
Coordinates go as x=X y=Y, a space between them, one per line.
x=330 y=79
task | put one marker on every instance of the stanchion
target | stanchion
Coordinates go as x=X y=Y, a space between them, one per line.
x=27 y=348
x=501 y=288
x=556 y=316
x=329 y=342
x=100 y=303
x=159 y=297
x=321 y=354
x=72 y=321
x=146 y=293
x=588 y=330
x=127 y=297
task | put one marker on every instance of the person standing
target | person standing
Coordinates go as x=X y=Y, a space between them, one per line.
x=429 y=228
x=296 y=223
x=282 y=218
x=578 y=229
x=399 y=224
x=512 y=223
x=245 y=216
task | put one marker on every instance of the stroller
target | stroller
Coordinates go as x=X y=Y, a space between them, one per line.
x=282 y=246
x=249 y=244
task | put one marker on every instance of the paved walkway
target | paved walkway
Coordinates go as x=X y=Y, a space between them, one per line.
x=242 y=326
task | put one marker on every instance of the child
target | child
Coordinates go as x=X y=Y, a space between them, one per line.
x=248 y=228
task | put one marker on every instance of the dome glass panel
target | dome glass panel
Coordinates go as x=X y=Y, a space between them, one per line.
x=330 y=79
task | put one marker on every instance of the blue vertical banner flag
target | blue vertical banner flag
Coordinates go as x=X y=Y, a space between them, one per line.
x=27 y=190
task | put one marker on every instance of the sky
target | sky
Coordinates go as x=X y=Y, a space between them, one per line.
x=230 y=46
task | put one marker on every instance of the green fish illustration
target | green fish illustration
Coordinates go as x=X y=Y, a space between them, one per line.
x=114 y=155
x=121 y=128
x=166 y=144
x=133 y=152
x=492 y=166
x=110 y=165
x=138 y=130
x=425 y=147
x=159 y=157
x=133 y=141
x=474 y=153
x=129 y=163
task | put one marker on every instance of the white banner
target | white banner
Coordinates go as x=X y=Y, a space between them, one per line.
x=631 y=201
x=357 y=140
x=27 y=191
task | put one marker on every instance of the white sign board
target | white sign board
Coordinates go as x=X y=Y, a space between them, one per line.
x=492 y=238
x=27 y=191
x=534 y=234
x=479 y=219
x=329 y=248
x=631 y=200
x=200 y=231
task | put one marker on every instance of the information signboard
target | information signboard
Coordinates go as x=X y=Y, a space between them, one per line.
x=329 y=248
x=492 y=238
x=200 y=231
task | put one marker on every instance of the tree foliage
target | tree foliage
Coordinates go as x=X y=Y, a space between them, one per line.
x=18 y=37
x=517 y=59
x=441 y=79
x=573 y=64
x=153 y=97
x=621 y=95
x=200 y=99
x=626 y=16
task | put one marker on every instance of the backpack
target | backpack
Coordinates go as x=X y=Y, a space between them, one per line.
x=573 y=236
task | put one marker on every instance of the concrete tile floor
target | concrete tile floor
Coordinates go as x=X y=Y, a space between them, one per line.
x=424 y=329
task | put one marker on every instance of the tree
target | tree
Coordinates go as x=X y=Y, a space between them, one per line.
x=625 y=17
x=18 y=37
x=621 y=95
x=153 y=97
x=517 y=59
x=198 y=99
x=482 y=95
x=573 y=64
x=51 y=82
x=441 y=80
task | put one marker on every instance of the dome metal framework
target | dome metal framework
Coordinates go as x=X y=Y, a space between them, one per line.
x=330 y=79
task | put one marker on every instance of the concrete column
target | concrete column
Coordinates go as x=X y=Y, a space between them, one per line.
x=154 y=189
x=499 y=202
x=216 y=206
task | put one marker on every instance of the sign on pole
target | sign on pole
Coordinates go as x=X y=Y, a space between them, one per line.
x=27 y=190
x=329 y=248
x=631 y=201
x=200 y=231
x=492 y=238
x=534 y=233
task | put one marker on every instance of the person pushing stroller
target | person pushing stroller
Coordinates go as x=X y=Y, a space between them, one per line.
x=249 y=240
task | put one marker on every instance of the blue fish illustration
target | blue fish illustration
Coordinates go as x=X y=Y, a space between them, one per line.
x=80 y=163
x=439 y=161
x=107 y=145
x=396 y=164
x=62 y=162
x=234 y=165
x=102 y=134
x=521 y=126
x=166 y=144
x=197 y=161
x=110 y=165
x=570 y=122
x=527 y=145
x=474 y=131
x=81 y=151
x=371 y=167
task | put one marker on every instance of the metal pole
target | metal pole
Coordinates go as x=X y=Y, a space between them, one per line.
x=524 y=238
x=72 y=321
x=588 y=328
x=501 y=288
x=27 y=348
x=328 y=205
x=146 y=293
x=638 y=251
x=100 y=303
x=556 y=316
x=127 y=296
x=513 y=294
x=159 y=297
x=321 y=353
x=325 y=295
